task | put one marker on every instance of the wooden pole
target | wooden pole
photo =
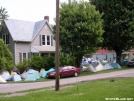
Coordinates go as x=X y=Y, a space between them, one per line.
x=57 y=87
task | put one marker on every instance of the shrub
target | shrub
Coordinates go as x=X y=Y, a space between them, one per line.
x=23 y=65
x=63 y=60
x=37 y=62
x=66 y=60
x=50 y=62
x=6 y=57
x=70 y=60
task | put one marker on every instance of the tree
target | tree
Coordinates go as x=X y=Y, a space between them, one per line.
x=118 y=16
x=3 y=14
x=80 y=29
x=6 y=57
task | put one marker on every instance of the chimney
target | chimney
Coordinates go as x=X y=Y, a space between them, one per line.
x=46 y=18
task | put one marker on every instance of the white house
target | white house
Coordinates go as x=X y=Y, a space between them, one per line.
x=102 y=54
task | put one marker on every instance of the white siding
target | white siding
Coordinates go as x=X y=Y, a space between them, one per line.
x=45 y=30
x=110 y=54
x=21 y=48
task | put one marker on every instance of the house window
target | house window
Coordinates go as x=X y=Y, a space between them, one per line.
x=5 y=38
x=23 y=56
x=43 y=40
x=52 y=54
x=44 y=54
x=46 y=40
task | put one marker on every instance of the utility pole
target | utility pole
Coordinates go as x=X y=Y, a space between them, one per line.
x=57 y=47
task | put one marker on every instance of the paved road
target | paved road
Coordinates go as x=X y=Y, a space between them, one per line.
x=4 y=88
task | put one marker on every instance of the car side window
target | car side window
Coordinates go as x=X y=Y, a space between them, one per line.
x=71 y=67
x=65 y=68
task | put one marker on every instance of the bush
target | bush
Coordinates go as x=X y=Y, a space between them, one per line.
x=46 y=62
x=6 y=57
x=66 y=60
x=70 y=61
x=37 y=62
x=50 y=62
x=23 y=65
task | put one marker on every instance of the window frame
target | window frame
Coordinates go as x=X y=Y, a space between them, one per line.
x=46 y=40
x=22 y=56
x=5 y=38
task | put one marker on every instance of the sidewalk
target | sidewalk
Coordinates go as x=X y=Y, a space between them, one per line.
x=4 y=88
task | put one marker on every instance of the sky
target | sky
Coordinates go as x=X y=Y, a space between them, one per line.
x=31 y=10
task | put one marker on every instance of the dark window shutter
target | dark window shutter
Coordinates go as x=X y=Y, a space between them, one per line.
x=51 y=40
x=20 y=57
x=7 y=39
x=29 y=55
x=40 y=40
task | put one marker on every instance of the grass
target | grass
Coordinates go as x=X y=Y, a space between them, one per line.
x=96 y=90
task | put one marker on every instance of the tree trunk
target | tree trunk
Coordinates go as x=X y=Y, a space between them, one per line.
x=118 y=56
x=78 y=59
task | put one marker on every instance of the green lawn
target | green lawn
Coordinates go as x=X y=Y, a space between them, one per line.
x=96 y=90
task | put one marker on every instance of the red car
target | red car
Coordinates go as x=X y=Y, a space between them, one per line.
x=65 y=72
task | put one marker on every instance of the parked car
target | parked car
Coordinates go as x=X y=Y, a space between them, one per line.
x=131 y=63
x=65 y=72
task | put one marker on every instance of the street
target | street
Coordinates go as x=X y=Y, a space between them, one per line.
x=13 y=87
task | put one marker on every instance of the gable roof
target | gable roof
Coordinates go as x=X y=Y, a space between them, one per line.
x=102 y=51
x=24 y=30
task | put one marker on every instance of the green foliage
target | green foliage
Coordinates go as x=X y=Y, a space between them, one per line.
x=3 y=15
x=71 y=60
x=46 y=62
x=6 y=58
x=23 y=65
x=80 y=28
x=37 y=62
x=66 y=60
x=50 y=62
x=118 y=16
x=63 y=60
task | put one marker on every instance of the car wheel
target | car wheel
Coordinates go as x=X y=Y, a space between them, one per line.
x=75 y=74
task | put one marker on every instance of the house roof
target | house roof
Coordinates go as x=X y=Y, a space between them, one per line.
x=42 y=49
x=24 y=30
x=102 y=51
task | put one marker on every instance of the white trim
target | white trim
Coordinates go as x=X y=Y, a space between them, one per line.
x=22 y=55
x=49 y=40
x=46 y=40
x=46 y=22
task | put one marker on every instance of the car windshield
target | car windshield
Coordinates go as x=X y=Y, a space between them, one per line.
x=59 y=68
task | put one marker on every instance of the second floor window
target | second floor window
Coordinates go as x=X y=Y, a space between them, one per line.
x=46 y=40
x=5 y=38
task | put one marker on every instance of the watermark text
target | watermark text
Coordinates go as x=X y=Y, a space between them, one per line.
x=121 y=99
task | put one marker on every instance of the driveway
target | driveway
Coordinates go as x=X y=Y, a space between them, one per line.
x=4 y=88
